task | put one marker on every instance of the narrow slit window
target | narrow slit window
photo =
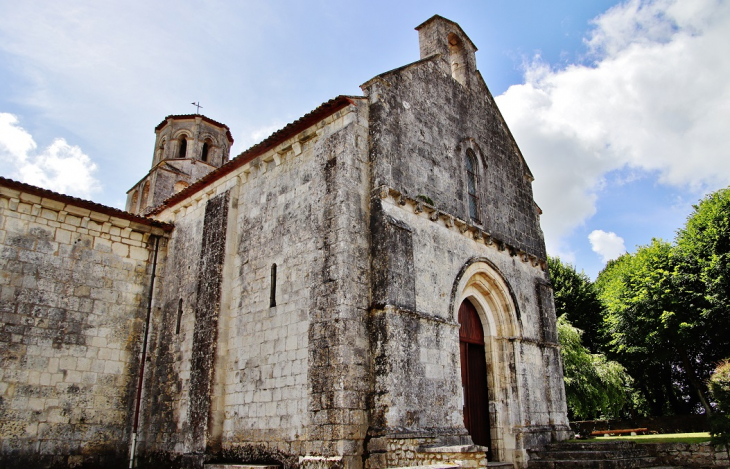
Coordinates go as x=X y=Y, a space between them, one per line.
x=179 y=316
x=471 y=185
x=272 y=297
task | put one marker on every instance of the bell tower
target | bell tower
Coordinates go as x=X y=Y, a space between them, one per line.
x=439 y=36
x=187 y=147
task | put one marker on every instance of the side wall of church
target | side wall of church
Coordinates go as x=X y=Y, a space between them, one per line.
x=290 y=376
x=165 y=400
x=73 y=295
x=296 y=372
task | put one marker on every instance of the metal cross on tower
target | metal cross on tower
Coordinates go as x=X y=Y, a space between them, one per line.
x=198 y=106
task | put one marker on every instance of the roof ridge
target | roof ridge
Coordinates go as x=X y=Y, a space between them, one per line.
x=95 y=206
x=190 y=116
x=320 y=112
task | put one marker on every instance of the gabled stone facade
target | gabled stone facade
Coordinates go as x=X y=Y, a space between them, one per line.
x=366 y=288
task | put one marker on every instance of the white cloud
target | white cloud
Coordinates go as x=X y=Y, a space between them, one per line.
x=608 y=245
x=60 y=167
x=654 y=99
x=259 y=134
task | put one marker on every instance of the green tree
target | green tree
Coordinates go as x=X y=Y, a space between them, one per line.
x=577 y=299
x=641 y=304
x=594 y=386
x=702 y=282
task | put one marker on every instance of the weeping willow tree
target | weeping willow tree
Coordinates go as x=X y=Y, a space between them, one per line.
x=595 y=387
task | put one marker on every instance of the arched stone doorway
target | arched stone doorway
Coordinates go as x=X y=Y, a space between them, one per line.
x=492 y=310
x=474 y=375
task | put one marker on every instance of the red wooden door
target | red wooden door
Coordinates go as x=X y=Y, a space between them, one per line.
x=474 y=375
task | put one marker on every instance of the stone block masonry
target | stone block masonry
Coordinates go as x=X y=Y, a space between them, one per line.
x=308 y=311
x=205 y=336
x=700 y=455
x=289 y=376
x=73 y=293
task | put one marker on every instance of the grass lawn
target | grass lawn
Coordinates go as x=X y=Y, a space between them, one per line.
x=665 y=438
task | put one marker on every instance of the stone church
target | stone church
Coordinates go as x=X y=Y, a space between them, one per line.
x=367 y=288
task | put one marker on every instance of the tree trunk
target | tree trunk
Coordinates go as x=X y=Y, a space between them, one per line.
x=692 y=378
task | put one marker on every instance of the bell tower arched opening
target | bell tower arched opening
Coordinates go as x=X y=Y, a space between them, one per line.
x=457 y=58
x=187 y=148
x=205 y=152
x=182 y=147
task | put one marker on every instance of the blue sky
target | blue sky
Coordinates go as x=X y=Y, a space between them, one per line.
x=621 y=109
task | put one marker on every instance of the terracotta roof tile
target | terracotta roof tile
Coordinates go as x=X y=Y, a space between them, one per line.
x=309 y=119
x=87 y=204
x=193 y=116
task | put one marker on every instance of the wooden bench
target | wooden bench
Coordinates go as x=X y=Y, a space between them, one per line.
x=627 y=431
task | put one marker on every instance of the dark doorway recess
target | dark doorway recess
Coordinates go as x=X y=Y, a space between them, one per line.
x=474 y=376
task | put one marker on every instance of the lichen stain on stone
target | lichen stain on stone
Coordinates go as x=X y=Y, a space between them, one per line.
x=205 y=334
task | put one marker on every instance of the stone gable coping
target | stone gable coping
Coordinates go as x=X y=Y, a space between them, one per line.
x=382 y=77
x=453 y=223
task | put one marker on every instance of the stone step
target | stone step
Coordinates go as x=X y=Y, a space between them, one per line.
x=241 y=466
x=591 y=454
x=591 y=446
x=453 y=465
x=627 y=463
x=597 y=455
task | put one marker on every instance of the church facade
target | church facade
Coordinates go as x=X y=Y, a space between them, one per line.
x=366 y=288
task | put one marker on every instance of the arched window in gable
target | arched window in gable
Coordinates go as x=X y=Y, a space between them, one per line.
x=471 y=185
x=182 y=147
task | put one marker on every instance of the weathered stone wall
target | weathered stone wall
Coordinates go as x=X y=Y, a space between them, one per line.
x=166 y=397
x=74 y=290
x=296 y=371
x=406 y=450
x=306 y=313
x=416 y=335
x=422 y=121
x=172 y=172
x=162 y=181
x=289 y=379
x=697 y=455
